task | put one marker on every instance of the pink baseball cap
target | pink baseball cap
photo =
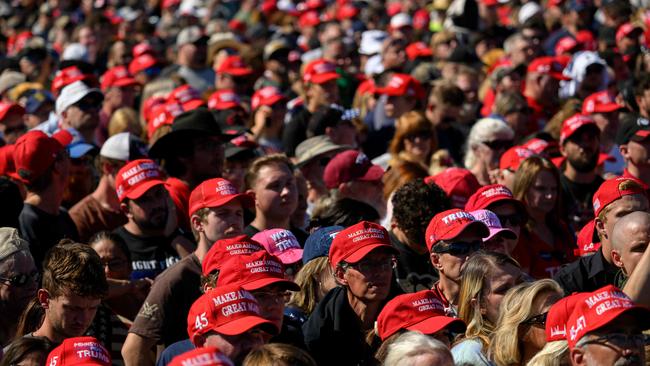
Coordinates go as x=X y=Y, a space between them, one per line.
x=280 y=243
x=491 y=220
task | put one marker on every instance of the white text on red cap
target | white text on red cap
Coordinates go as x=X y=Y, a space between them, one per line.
x=457 y=216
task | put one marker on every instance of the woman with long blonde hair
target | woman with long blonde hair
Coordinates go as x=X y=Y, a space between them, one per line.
x=486 y=277
x=519 y=333
x=546 y=242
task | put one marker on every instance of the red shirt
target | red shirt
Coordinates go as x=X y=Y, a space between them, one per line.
x=540 y=114
x=540 y=259
x=450 y=310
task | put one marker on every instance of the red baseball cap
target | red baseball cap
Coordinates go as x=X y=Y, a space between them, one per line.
x=186 y=96
x=586 y=40
x=449 y=224
x=421 y=19
x=610 y=190
x=573 y=124
x=418 y=49
x=600 y=102
x=162 y=115
x=82 y=351
x=235 y=66
x=142 y=48
x=67 y=76
x=223 y=249
x=6 y=108
x=224 y=99
x=347 y=11
x=254 y=271
x=558 y=315
x=585 y=240
x=228 y=310
x=149 y=104
x=281 y=243
x=566 y=44
x=309 y=19
x=490 y=194
x=458 y=184
x=355 y=242
x=141 y=63
x=420 y=311
x=268 y=96
x=600 y=308
x=7 y=166
x=34 y=152
x=628 y=30
x=547 y=65
x=205 y=356
x=513 y=157
x=539 y=146
x=137 y=177
x=216 y=192
x=319 y=71
x=402 y=85
x=117 y=76
x=351 y=165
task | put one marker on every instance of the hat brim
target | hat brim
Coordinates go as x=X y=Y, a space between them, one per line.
x=608 y=107
x=483 y=230
x=225 y=105
x=272 y=100
x=559 y=76
x=79 y=149
x=435 y=324
x=164 y=146
x=138 y=191
x=193 y=104
x=640 y=135
x=246 y=200
x=323 y=150
x=238 y=71
x=263 y=282
x=361 y=253
x=505 y=232
x=323 y=78
x=290 y=256
x=374 y=173
x=125 y=82
x=245 y=324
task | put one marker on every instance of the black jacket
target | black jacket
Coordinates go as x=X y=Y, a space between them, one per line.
x=333 y=332
x=587 y=274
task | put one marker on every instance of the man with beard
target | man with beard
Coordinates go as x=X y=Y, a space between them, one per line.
x=150 y=230
x=580 y=146
x=634 y=143
x=605 y=328
x=18 y=281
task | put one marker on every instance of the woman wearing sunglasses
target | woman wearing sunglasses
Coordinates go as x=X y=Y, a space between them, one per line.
x=546 y=242
x=520 y=330
x=488 y=139
x=487 y=276
x=415 y=140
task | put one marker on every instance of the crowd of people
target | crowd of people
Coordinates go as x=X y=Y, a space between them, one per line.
x=318 y=182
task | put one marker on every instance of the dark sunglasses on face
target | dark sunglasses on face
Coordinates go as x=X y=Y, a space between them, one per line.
x=539 y=320
x=88 y=105
x=514 y=220
x=458 y=248
x=22 y=279
x=498 y=144
x=423 y=135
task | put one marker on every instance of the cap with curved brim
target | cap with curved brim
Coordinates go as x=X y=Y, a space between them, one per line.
x=193 y=104
x=290 y=256
x=125 y=82
x=246 y=200
x=238 y=71
x=262 y=282
x=505 y=232
x=325 y=77
x=79 y=149
x=437 y=323
x=375 y=172
x=141 y=189
x=521 y=208
x=165 y=146
x=482 y=229
x=360 y=253
x=245 y=324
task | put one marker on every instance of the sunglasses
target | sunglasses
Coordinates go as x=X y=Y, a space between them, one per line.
x=88 y=105
x=538 y=320
x=423 y=135
x=458 y=248
x=498 y=144
x=22 y=279
x=514 y=220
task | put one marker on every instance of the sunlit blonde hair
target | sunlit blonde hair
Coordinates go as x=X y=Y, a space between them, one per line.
x=474 y=285
x=308 y=278
x=517 y=306
x=525 y=178
x=554 y=353
x=124 y=120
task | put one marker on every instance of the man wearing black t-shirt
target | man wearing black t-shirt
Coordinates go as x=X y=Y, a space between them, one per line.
x=579 y=144
x=43 y=165
x=144 y=200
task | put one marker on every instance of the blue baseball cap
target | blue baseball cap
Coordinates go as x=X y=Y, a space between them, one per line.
x=319 y=242
x=36 y=99
x=78 y=147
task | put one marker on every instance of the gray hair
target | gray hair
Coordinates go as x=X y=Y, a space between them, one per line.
x=486 y=129
x=410 y=345
x=510 y=42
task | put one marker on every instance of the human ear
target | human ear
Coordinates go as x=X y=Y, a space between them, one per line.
x=43 y=298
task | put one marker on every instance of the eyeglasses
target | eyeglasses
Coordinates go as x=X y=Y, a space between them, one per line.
x=458 y=248
x=622 y=340
x=514 y=220
x=422 y=135
x=87 y=105
x=498 y=144
x=370 y=266
x=539 y=320
x=22 y=279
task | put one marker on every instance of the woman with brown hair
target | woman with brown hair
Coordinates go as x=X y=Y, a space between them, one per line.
x=415 y=140
x=546 y=242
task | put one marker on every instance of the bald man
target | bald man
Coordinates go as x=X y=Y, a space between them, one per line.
x=630 y=239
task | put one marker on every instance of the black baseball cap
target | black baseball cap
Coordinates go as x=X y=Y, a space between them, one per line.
x=633 y=128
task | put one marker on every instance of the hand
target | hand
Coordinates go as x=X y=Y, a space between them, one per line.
x=262 y=114
x=141 y=287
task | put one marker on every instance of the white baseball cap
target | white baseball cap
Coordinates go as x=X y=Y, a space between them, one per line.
x=124 y=146
x=73 y=93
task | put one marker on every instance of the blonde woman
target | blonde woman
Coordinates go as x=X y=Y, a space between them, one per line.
x=519 y=333
x=486 y=277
